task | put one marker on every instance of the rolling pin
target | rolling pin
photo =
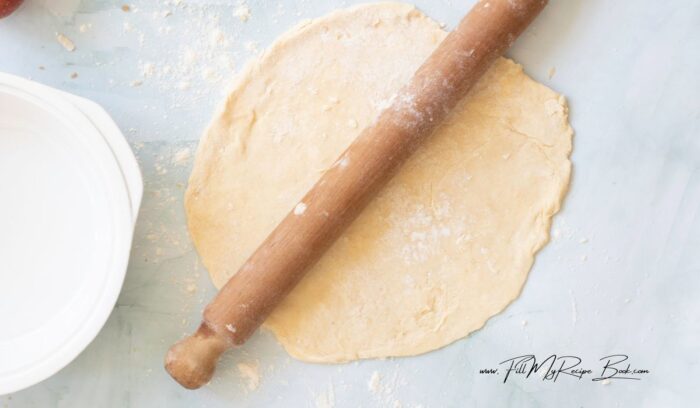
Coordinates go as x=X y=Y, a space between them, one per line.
x=312 y=226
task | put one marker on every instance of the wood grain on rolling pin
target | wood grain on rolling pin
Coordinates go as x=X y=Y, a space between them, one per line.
x=344 y=190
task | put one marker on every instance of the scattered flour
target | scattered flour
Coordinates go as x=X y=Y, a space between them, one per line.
x=252 y=47
x=242 y=11
x=384 y=390
x=574 y=309
x=203 y=53
x=250 y=373
x=148 y=69
x=374 y=383
x=182 y=156
x=325 y=399
x=66 y=42
x=300 y=209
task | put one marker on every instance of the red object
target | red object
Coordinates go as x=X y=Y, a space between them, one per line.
x=7 y=7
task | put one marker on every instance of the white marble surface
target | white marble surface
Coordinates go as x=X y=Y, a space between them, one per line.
x=621 y=276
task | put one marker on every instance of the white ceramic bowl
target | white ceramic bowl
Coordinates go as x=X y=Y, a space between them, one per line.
x=71 y=189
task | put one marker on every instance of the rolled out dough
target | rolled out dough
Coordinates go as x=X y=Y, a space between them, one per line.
x=445 y=246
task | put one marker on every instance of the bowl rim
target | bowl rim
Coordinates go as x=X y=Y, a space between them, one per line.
x=124 y=205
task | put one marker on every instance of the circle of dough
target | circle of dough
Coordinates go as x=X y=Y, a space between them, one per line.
x=447 y=244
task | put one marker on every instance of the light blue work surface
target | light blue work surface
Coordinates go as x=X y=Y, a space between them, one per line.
x=622 y=274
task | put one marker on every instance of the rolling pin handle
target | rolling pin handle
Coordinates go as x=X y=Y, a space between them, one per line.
x=192 y=360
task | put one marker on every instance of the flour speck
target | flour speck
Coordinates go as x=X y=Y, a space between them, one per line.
x=66 y=42
x=250 y=373
x=300 y=209
x=242 y=11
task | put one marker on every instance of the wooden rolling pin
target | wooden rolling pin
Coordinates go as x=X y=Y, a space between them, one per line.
x=344 y=190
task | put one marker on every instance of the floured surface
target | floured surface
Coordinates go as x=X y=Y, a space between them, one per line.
x=446 y=245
